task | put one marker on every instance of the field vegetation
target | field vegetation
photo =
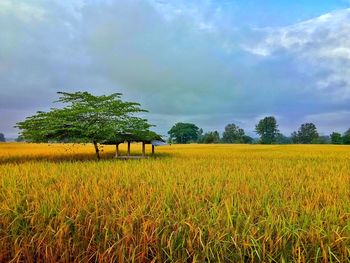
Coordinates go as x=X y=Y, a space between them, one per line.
x=189 y=203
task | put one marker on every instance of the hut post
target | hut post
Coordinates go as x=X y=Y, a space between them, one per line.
x=143 y=149
x=117 y=150
x=128 y=148
x=152 y=149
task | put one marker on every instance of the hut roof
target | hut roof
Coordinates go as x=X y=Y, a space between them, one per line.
x=137 y=136
x=158 y=143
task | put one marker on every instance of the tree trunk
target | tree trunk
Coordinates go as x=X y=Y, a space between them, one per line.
x=117 y=150
x=97 y=150
x=128 y=148
x=143 y=149
x=152 y=149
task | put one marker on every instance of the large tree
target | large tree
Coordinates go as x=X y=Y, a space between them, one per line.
x=336 y=138
x=2 y=137
x=233 y=134
x=306 y=134
x=267 y=128
x=183 y=133
x=85 y=118
x=346 y=137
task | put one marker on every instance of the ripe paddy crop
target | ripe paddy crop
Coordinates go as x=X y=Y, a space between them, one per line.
x=190 y=203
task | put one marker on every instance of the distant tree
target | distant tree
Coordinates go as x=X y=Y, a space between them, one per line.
x=306 y=134
x=85 y=118
x=247 y=139
x=267 y=128
x=336 y=138
x=211 y=137
x=294 y=137
x=216 y=136
x=19 y=139
x=281 y=139
x=184 y=133
x=2 y=137
x=200 y=136
x=323 y=140
x=346 y=137
x=233 y=134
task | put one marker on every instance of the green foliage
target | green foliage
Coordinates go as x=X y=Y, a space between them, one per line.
x=19 y=139
x=267 y=128
x=323 y=140
x=233 y=134
x=346 y=137
x=247 y=139
x=294 y=137
x=183 y=133
x=307 y=134
x=281 y=139
x=86 y=118
x=2 y=137
x=200 y=136
x=211 y=137
x=336 y=138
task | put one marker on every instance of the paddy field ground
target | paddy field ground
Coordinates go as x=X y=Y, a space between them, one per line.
x=189 y=203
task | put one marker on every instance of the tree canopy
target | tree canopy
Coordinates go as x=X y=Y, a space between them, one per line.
x=87 y=118
x=184 y=132
x=267 y=128
x=306 y=134
x=281 y=139
x=346 y=137
x=233 y=134
x=211 y=137
x=2 y=137
x=336 y=138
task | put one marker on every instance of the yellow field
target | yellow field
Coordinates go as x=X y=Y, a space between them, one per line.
x=193 y=203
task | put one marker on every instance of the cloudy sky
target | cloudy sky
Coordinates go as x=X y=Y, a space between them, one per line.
x=209 y=62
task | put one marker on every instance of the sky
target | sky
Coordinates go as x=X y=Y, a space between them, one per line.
x=209 y=62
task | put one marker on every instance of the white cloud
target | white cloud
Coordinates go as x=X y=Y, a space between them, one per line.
x=180 y=59
x=26 y=12
x=321 y=45
x=200 y=17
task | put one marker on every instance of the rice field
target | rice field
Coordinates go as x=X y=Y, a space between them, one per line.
x=189 y=203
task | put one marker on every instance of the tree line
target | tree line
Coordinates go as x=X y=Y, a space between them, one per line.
x=103 y=119
x=266 y=129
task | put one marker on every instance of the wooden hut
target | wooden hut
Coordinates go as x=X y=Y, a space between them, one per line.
x=144 y=137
